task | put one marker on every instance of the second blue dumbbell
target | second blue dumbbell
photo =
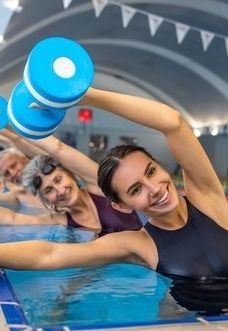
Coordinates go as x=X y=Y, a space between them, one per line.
x=57 y=74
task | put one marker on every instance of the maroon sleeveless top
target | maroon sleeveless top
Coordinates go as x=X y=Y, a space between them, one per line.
x=111 y=219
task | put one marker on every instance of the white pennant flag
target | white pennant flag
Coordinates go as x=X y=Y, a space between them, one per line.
x=66 y=3
x=226 y=45
x=181 y=31
x=99 y=5
x=154 y=23
x=127 y=14
x=207 y=38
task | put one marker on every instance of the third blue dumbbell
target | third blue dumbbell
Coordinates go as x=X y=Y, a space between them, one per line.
x=57 y=74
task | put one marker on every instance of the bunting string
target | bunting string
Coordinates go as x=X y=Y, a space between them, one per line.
x=155 y=22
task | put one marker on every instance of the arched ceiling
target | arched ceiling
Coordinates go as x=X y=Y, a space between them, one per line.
x=182 y=75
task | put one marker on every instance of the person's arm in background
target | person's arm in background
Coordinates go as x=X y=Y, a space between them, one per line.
x=5 y=142
x=9 y=217
x=11 y=197
x=72 y=159
x=24 y=145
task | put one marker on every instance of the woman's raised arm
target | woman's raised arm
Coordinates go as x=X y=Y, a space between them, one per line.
x=72 y=159
x=26 y=147
x=199 y=174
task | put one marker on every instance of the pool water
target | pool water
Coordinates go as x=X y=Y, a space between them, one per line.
x=116 y=293
x=113 y=294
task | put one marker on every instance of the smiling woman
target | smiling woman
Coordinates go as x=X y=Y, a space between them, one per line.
x=58 y=189
x=184 y=236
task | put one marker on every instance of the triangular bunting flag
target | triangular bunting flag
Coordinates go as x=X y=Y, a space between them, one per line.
x=207 y=38
x=154 y=23
x=99 y=5
x=226 y=45
x=181 y=31
x=127 y=14
x=66 y=3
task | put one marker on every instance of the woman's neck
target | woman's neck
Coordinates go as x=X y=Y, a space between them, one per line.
x=173 y=220
x=85 y=211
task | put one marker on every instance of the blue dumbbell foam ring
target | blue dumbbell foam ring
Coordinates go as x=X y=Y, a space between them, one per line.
x=28 y=121
x=3 y=113
x=58 y=72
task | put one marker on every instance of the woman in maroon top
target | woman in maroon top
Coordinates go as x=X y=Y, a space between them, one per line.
x=56 y=181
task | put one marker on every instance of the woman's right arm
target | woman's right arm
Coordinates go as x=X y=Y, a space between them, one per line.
x=72 y=159
x=26 y=147
x=9 y=217
x=43 y=255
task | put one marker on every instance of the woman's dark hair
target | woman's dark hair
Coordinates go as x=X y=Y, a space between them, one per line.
x=111 y=162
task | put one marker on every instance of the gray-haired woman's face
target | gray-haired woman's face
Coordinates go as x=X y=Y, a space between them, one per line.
x=59 y=188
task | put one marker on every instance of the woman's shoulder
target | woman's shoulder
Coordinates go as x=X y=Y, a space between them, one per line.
x=213 y=206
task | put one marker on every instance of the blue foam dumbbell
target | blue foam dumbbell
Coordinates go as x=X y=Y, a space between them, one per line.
x=28 y=121
x=57 y=74
x=3 y=113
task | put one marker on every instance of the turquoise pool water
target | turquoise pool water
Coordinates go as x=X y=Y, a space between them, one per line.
x=111 y=294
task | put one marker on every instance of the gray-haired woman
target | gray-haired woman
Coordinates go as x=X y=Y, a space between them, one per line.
x=68 y=203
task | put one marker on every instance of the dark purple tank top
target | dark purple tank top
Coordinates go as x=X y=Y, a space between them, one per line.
x=111 y=219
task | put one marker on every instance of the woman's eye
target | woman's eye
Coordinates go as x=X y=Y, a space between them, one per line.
x=58 y=179
x=13 y=165
x=151 y=171
x=48 y=190
x=136 y=190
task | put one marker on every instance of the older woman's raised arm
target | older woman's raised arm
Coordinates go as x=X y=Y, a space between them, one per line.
x=72 y=159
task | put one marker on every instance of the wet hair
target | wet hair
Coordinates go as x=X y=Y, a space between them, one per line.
x=109 y=165
x=33 y=170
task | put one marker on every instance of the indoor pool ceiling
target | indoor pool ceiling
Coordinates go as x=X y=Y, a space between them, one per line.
x=184 y=75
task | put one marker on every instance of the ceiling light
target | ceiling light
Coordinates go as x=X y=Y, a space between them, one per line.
x=197 y=132
x=12 y=4
x=214 y=130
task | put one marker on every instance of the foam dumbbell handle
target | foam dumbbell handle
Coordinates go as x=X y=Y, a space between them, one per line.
x=3 y=113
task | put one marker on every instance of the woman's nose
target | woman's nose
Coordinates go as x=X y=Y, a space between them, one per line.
x=153 y=188
x=12 y=173
x=60 y=190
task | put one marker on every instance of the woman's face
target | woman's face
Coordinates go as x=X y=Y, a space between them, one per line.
x=59 y=188
x=142 y=184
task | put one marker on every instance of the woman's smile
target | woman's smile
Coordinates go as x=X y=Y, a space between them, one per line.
x=163 y=200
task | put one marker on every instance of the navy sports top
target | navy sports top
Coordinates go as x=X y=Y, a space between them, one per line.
x=111 y=219
x=199 y=248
